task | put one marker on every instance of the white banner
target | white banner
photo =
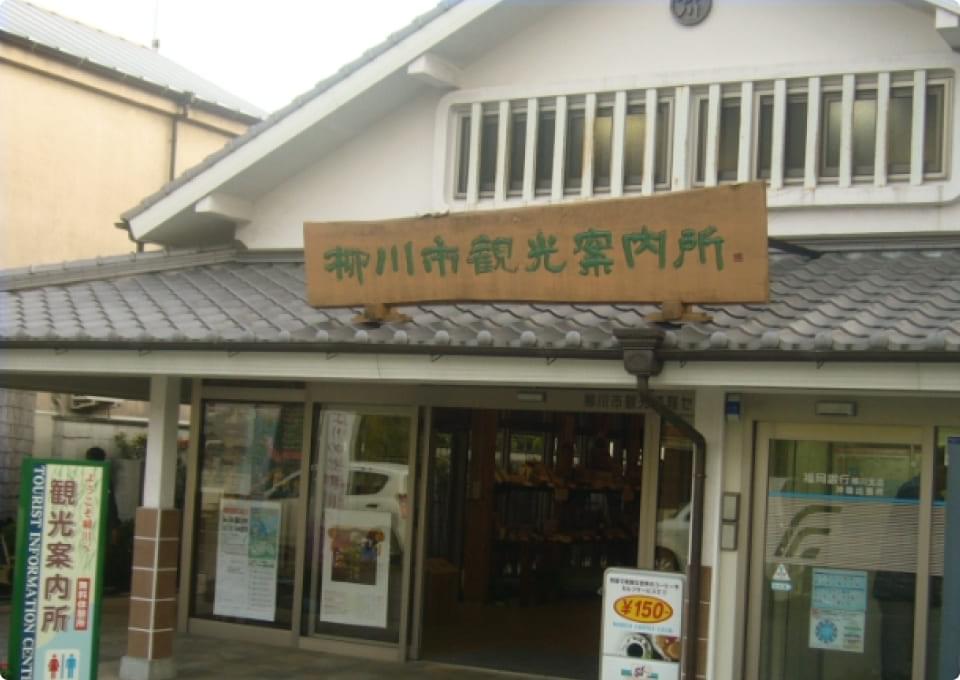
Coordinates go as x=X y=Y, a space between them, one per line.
x=356 y=567
x=248 y=547
x=642 y=624
x=339 y=432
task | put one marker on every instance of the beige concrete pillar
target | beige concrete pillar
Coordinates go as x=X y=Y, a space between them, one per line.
x=153 y=590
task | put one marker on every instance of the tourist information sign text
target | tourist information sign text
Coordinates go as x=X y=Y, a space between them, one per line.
x=707 y=245
x=55 y=626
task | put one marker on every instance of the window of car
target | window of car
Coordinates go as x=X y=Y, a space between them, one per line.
x=364 y=483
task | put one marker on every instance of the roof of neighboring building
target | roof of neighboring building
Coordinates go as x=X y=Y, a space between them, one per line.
x=25 y=22
x=895 y=304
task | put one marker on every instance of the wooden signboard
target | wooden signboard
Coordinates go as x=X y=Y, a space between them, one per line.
x=706 y=245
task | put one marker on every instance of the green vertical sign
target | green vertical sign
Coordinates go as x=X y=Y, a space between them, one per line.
x=58 y=578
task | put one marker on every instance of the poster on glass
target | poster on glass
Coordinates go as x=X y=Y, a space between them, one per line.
x=356 y=567
x=248 y=549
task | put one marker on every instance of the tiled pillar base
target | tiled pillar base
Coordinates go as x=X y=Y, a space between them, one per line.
x=153 y=597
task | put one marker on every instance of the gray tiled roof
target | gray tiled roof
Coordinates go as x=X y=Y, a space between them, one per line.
x=71 y=38
x=854 y=303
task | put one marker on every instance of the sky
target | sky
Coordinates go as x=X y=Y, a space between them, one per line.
x=264 y=52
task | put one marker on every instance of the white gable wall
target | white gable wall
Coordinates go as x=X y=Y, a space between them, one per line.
x=585 y=40
x=387 y=172
x=393 y=170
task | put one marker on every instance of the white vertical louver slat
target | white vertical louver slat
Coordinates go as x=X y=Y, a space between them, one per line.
x=617 y=141
x=473 y=171
x=530 y=150
x=845 y=171
x=650 y=142
x=779 y=133
x=880 y=149
x=917 y=133
x=589 y=119
x=713 y=137
x=745 y=144
x=559 y=149
x=810 y=170
x=503 y=152
x=681 y=138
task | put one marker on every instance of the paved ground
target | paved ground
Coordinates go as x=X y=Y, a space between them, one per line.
x=202 y=658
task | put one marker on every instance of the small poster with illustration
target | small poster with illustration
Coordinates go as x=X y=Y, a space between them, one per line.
x=356 y=567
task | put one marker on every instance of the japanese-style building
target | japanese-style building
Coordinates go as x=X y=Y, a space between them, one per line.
x=793 y=454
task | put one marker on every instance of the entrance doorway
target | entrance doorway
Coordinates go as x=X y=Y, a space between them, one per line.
x=842 y=581
x=525 y=511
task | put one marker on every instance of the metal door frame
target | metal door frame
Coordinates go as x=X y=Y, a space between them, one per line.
x=922 y=436
x=352 y=646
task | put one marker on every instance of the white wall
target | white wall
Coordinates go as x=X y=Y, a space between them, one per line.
x=584 y=39
x=387 y=172
x=393 y=169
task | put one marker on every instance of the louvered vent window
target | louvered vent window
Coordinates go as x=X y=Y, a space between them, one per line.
x=831 y=131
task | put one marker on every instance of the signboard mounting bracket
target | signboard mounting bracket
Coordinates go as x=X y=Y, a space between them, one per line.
x=379 y=313
x=675 y=310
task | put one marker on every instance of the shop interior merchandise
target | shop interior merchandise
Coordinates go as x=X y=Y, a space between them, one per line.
x=525 y=512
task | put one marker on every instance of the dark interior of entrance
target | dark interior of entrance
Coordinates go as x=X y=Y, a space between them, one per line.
x=526 y=509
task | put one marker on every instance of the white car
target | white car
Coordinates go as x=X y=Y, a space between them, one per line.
x=370 y=486
x=673 y=541
x=383 y=487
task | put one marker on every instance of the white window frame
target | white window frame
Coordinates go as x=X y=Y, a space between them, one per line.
x=783 y=80
x=638 y=98
x=727 y=94
x=902 y=80
x=517 y=106
x=605 y=100
x=792 y=90
x=460 y=154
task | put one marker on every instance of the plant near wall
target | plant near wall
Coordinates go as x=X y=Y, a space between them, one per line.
x=130 y=449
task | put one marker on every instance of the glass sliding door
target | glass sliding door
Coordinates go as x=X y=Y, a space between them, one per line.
x=247 y=513
x=943 y=619
x=836 y=545
x=359 y=538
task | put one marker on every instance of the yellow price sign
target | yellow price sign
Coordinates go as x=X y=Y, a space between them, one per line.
x=643 y=609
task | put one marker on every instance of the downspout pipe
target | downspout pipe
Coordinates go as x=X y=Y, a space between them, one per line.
x=183 y=102
x=640 y=359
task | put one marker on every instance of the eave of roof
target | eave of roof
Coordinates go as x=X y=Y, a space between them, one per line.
x=856 y=306
x=948 y=5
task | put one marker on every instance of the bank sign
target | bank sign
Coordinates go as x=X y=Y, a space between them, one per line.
x=642 y=624
x=706 y=246
x=60 y=542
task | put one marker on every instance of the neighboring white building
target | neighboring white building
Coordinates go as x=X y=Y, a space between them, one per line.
x=829 y=417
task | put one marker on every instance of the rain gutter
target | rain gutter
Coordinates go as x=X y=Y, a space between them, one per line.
x=416 y=347
x=640 y=359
